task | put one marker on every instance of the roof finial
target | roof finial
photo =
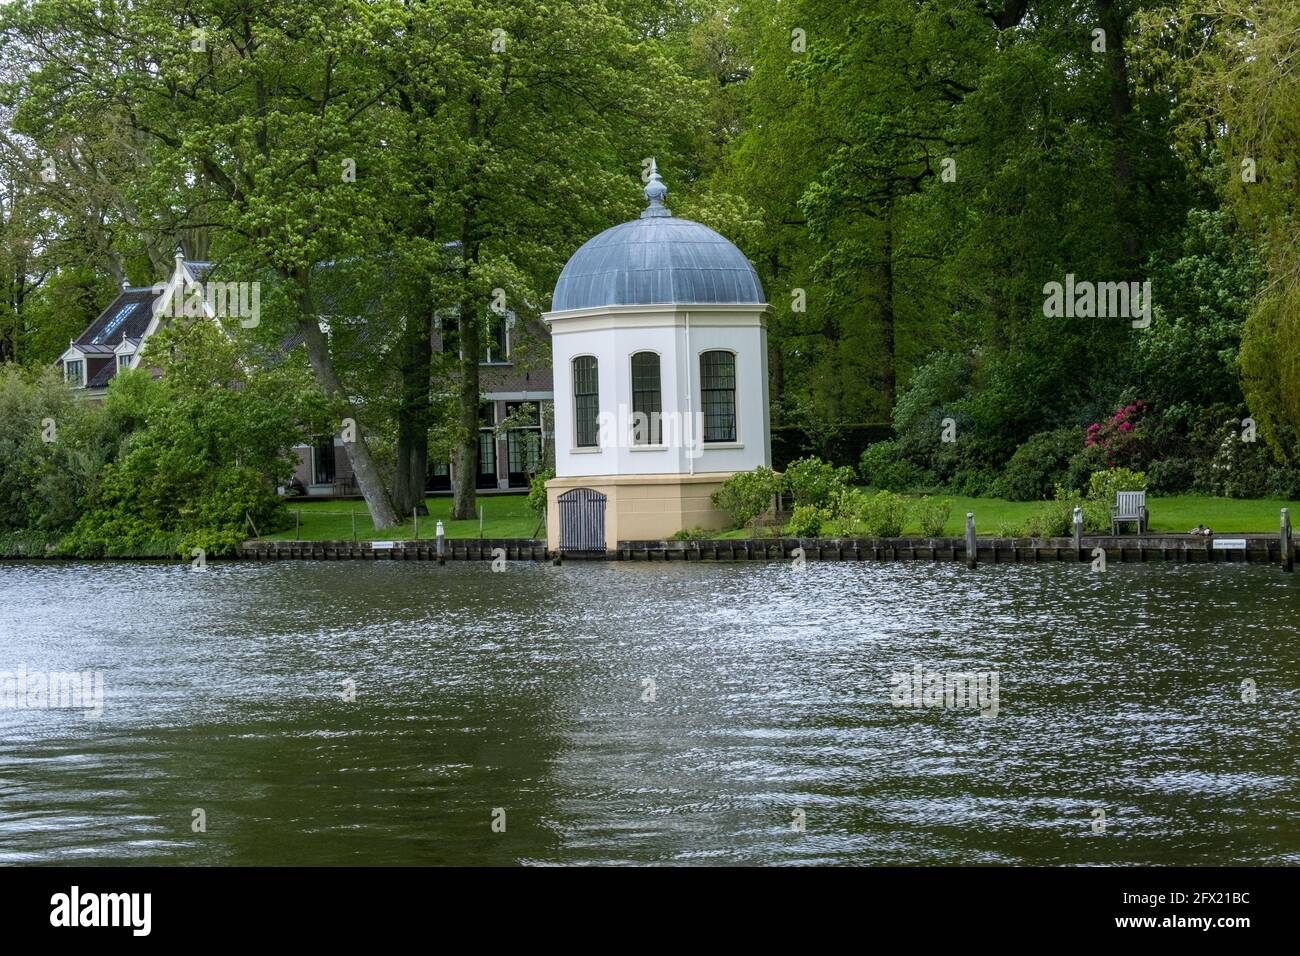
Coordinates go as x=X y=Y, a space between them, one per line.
x=180 y=253
x=655 y=191
x=126 y=283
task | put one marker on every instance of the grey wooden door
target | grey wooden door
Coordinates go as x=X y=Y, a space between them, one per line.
x=582 y=520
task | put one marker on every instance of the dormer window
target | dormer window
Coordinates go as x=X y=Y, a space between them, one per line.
x=74 y=372
x=123 y=361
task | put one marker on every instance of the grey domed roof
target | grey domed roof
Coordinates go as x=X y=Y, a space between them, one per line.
x=656 y=260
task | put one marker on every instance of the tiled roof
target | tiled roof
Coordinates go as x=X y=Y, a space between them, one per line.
x=128 y=316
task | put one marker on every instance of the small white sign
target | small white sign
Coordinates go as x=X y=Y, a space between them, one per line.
x=384 y=545
x=1229 y=544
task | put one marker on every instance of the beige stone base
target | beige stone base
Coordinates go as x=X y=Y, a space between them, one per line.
x=639 y=507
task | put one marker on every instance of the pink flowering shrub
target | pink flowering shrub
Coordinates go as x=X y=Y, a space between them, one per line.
x=1115 y=439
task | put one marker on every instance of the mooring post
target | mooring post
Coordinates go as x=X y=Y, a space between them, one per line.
x=971 y=552
x=438 y=531
x=354 y=523
x=480 y=524
x=1078 y=532
x=415 y=516
x=1288 y=555
x=297 y=525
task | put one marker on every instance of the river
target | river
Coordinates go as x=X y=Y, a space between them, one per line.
x=633 y=713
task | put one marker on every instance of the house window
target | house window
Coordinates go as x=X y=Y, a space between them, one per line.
x=586 y=402
x=523 y=442
x=325 y=461
x=123 y=361
x=718 y=395
x=646 y=407
x=72 y=371
x=487 y=445
x=496 y=345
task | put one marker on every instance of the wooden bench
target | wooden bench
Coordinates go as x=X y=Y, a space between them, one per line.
x=1129 y=506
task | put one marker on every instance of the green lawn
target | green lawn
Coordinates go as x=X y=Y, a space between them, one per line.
x=508 y=516
x=1177 y=514
x=504 y=516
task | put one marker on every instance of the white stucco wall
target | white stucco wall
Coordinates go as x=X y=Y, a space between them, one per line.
x=679 y=334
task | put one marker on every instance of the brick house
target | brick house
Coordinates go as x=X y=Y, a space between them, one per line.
x=514 y=419
x=515 y=372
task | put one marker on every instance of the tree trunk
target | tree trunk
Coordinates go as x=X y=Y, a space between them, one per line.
x=413 y=413
x=776 y=358
x=466 y=458
x=887 y=371
x=363 y=466
x=1121 y=109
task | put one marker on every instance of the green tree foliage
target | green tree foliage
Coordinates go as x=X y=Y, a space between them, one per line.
x=748 y=495
x=52 y=449
x=210 y=442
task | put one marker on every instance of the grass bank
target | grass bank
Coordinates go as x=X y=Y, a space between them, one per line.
x=1173 y=515
x=508 y=516
x=504 y=516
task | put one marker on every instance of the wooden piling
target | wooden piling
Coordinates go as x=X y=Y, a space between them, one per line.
x=972 y=553
x=1284 y=540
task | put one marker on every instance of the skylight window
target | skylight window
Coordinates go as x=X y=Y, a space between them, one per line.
x=114 y=324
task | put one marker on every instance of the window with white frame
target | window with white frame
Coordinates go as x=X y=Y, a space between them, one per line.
x=586 y=402
x=718 y=395
x=74 y=371
x=647 y=405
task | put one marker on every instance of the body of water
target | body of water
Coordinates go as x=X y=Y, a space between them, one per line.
x=389 y=713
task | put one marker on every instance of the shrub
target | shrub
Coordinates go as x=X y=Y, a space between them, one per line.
x=1238 y=469
x=1055 y=519
x=1038 y=466
x=882 y=466
x=931 y=515
x=883 y=515
x=842 y=528
x=537 y=491
x=1103 y=485
x=974 y=482
x=816 y=482
x=1284 y=482
x=806 y=521
x=1082 y=466
x=1171 y=476
x=847 y=503
x=748 y=494
x=690 y=534
x=1122 y=436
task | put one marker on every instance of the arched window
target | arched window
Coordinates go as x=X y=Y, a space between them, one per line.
x=646 y=406
x=718 y=395
x=586 y=402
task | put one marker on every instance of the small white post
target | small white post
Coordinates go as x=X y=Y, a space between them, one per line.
x=1078 y=529
x=971 y=548
x=440 y=534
